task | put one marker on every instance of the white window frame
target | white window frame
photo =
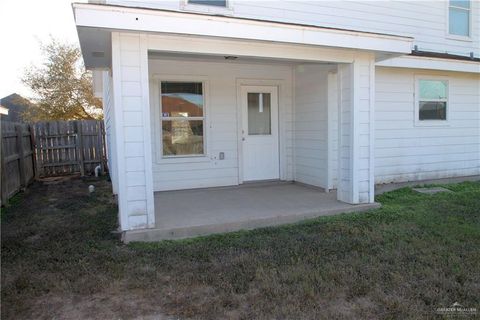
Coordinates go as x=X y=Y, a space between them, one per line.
x=470 y=22
x=431 y=123
x=205 y=8
x=160 y=157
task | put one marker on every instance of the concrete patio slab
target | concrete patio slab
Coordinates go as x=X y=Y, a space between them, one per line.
x=190 y=213
x=432 y=190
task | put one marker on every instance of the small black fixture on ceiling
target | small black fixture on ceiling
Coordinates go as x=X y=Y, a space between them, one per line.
x=231 y=58
x=98 y=54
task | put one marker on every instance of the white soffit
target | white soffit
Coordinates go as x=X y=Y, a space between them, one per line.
x=96 y=45
x=147 y=20
x=431 y=64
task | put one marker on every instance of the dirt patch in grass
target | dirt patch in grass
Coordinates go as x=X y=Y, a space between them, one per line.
x=416 y=254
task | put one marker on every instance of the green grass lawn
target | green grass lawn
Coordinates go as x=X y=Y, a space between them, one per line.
x=416 y=254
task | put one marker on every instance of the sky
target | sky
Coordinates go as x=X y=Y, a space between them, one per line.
x=23 y=23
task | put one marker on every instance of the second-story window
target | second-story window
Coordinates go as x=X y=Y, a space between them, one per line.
x=217 y=3
x=459 y=18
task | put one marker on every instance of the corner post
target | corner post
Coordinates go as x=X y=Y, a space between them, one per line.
x=133 y=130
x=356 y=82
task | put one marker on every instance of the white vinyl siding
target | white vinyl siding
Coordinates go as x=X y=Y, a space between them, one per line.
x=221 y=123
x=355 y=131
x=406 y=152
x=109 y=120
x=425 y=21
x=132 y=130
x=311 y=128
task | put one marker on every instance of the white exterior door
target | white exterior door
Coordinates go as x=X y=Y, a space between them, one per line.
x=260 y=133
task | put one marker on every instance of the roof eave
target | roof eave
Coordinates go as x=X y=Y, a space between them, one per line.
x=108 y=17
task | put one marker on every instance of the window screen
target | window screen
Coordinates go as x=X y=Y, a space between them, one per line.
x=217 y=3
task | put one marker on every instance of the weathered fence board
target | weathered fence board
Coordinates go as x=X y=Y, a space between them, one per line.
x=46 y=149
x=67 y=147
x=17 y=158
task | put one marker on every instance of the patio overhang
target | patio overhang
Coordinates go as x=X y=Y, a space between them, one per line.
x=189 y=32
x=129 y=40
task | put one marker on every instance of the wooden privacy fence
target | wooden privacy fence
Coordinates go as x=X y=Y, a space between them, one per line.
x=46 y=149
x=67 y=147
x=17 y=158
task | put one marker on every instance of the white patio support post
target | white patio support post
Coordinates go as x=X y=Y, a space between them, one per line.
x=356 y=83
x=132 y=130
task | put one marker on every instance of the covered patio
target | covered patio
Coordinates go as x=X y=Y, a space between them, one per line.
x=189 y=213
x=273 y=101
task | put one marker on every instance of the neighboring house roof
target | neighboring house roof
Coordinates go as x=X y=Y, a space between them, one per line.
x=16 y=106
x=3 y=110
x=178 y=106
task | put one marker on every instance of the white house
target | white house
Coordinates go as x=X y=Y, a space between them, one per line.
x=337 y=95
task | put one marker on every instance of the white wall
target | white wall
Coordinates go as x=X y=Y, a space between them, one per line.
x=345 y=134
x=332 y=123
x=132 y=130
x=311 y=124
x=222 y=120
x=109 y=115
x=406 y=152
x=355 y=130
x=426 y=21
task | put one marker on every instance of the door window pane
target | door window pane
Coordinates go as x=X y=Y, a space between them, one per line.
x=182 y=137
x=182 y=99
x=433 y=110
x=259 y=114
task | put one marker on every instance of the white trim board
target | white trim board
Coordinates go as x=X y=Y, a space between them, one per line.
x=135 y=19
x=431 y=64
x=119 y=132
